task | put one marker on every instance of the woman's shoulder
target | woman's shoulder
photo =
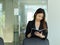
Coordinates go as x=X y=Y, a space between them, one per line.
x=31 y=21
x=46 y=24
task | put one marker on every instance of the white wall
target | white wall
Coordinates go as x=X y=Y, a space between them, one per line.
x=54 y=21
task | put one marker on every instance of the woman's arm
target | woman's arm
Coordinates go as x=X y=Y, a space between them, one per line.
x=39 y=35
x=42 y=34
x=45 y=33
x=28 y=30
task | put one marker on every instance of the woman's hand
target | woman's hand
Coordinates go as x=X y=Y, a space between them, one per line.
x=29 y=35
x=39 y=34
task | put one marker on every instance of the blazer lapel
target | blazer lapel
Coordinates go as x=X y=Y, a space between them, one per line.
x=33 y=25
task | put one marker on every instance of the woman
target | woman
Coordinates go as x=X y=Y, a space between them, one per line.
x=38 y=23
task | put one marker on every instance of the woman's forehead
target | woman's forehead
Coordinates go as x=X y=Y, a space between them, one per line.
x=40 y=14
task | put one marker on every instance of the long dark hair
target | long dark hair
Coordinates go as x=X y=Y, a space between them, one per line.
x=40 y=10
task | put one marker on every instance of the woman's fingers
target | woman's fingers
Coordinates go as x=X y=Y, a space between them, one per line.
x=37 y=33
x=29 y=35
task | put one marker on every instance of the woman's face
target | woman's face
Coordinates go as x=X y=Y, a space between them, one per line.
x=39 y=16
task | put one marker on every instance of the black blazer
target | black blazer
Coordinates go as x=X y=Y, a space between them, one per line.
x=30 y=25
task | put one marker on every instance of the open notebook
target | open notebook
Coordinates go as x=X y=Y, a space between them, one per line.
x=34 y=30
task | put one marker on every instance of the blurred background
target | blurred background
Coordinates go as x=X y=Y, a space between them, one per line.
x=14 y=16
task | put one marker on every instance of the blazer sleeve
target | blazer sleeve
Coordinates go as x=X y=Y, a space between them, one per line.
x=28 y=29
x=46 y=32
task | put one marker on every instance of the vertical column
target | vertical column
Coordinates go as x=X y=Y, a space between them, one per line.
x=9 y=21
